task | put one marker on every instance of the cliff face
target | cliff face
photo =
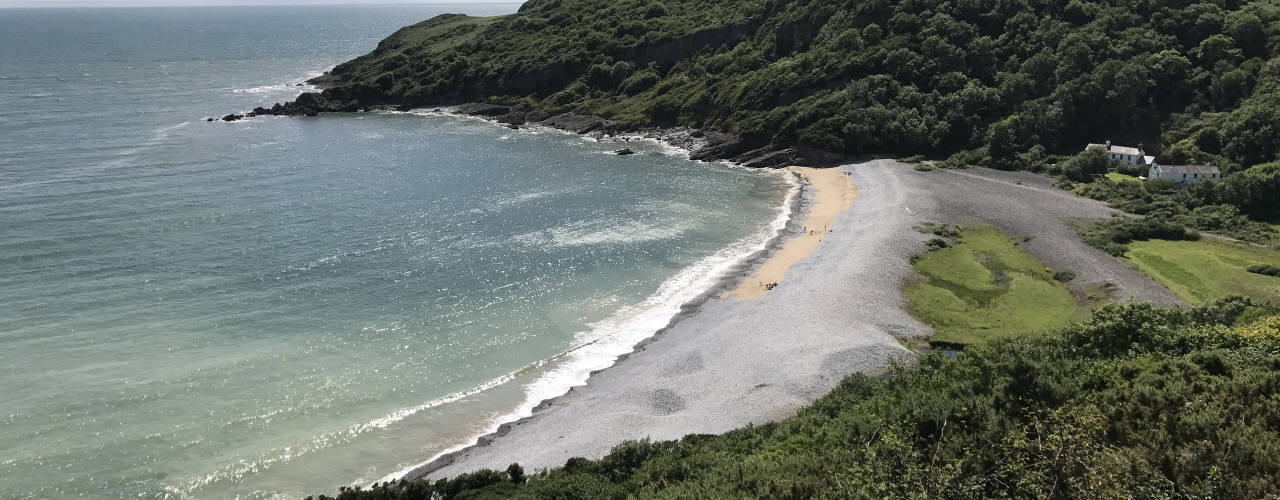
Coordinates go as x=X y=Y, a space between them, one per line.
x=1004 y=83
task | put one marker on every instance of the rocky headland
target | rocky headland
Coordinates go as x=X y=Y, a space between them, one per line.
x=704 y=145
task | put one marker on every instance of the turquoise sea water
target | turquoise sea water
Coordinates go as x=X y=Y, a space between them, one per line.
x=279 y=306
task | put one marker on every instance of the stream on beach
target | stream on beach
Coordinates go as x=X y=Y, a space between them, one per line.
x=276 y=307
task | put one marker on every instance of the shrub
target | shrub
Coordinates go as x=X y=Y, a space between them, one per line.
x=1064 y=275
x=1088 y=164
x=1266 y=270
x=1111 y=236
x=1159 y=185
x=1131 y=169
x=654 y=11
x=943 y=230
x=639 y=82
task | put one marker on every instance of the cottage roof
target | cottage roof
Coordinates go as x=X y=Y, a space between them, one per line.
x=1148 y=159
x=1124 y=150
x=1190 y=169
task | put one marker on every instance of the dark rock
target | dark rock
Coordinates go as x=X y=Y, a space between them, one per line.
x=513 y=126
x=512 y=118
x=718 y=148
x=208 y=119
x=624 y=152
x=575 y=123
x=310 y=100
x=536 y=115
x=770 y=158
x=232 y=117
x=325 y=81
x=611 y=127
x=337 y=106
x=482 y=109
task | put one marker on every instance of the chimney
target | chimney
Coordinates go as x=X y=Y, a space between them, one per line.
x=1108 y=144
x=1140 y=150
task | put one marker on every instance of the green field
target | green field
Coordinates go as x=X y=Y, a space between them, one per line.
x=985 y=287
x=1208 y=269
x=1119 y=177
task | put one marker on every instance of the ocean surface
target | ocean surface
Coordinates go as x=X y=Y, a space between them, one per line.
x=279 y=306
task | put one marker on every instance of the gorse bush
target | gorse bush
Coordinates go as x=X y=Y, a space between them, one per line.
x=1137 y=402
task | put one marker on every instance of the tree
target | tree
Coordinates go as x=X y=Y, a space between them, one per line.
x=1087 y=165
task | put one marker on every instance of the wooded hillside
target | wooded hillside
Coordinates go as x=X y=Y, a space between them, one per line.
x=1008 y=81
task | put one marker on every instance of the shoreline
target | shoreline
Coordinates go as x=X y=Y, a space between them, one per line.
x=702 y=144
x=722 y=364
x=816 y=195
x=840 y=311
x=722 y=278
x=848 y=322
x=724 y=282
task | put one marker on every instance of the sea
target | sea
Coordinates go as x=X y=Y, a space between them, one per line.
x=276 y=307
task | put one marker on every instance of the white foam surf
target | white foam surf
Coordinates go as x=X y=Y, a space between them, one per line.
x=600 y=347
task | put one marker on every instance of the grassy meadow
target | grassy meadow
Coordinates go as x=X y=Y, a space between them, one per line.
x=1119 y=177
x=984 y=287
x=1207 y=269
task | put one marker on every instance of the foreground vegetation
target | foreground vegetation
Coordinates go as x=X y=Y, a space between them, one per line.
x=1208 y=269
x=979 y=285
x=1136 y=402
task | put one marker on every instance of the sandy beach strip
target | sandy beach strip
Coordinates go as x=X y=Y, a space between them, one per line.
x=834 y=193
x=838 y=309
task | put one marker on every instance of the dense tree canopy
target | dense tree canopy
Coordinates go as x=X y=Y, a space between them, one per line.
x=1198 y=80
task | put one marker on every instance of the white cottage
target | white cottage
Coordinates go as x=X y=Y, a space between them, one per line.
x=1132 y=156
x=1184 y=174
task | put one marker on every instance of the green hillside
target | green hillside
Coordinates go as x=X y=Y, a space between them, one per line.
x=1006 y=81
